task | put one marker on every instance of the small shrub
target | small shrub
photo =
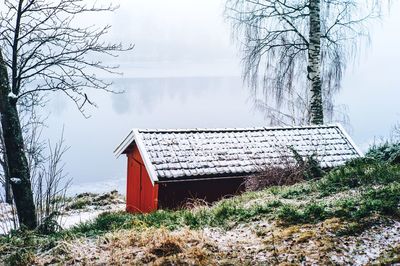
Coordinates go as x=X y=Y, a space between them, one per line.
x=289 y=214
x=294 y=192
x=386 y=152
x=314 y=212
x=21 y=257
x=104 y=222
x=356 y=173
x=346 y=208
x=191 y=220
x=50 y=225
x=224 y=211
x=310 y=167
x=310 y=213
x=293 y=168
x=163 y=218
x=80 y=203
x=199 y=218
x=383 y=201
x=229 y=211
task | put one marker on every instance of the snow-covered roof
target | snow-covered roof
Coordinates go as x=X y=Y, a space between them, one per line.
x=196 y=153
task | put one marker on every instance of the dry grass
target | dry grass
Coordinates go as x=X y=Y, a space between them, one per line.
x=301 y=244
x=155 y=247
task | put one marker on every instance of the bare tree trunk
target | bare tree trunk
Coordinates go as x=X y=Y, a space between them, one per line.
x=14 y=146
x=314 y=63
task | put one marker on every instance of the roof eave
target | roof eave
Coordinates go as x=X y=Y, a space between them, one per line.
x=352 y=143
x=145 y=157
x=135 y=137
x=123 y=146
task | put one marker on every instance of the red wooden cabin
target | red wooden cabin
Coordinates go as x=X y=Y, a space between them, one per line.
x=166 y=168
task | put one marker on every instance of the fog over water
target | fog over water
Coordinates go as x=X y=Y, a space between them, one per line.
x=185 y=73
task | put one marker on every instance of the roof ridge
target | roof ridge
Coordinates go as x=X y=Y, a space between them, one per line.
x=233 y=129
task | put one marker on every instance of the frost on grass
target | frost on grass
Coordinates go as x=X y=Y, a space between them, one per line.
x=150 y=246
x=95 y=204
x=257 y=242
x=372 y=243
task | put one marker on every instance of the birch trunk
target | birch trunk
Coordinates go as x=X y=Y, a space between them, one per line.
x=14 y=145
x=314 y=64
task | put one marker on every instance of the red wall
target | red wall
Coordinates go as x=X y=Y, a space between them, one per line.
x=141 y=194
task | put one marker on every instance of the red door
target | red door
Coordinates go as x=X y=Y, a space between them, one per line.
x=133 y=185
x=141 y=194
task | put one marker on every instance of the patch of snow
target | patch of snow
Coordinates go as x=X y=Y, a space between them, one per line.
x=12 y=95
x=363 y=249
x=66 y=220
x=240 y=240
x=6 y=218
x=15 y=180
x=73 y=218
x=372 y=243
x=98 y=204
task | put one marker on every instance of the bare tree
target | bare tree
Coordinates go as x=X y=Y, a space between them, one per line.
x=46 y=167
x=395 y=134
x=31 y=126
x=44 y=50
x=298 y=50
x=50 y=184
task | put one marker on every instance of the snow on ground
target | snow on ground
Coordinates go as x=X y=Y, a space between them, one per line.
x=315 y=244
x=96 y=204
x=71 y=218
x=6 y=218
x=369 y=245
x=241 y=239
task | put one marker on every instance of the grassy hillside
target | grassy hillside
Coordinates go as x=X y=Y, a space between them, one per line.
x=349 y=216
